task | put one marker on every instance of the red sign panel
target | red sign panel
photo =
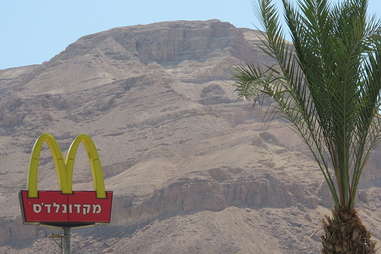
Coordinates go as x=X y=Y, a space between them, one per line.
x=53 y=207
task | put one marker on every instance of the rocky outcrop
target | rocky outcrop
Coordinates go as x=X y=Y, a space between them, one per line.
x=166 y=43
x=194 y=169
x=13 y=232
x=214 y=193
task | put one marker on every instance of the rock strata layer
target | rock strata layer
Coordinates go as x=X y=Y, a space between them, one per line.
x=194 y=169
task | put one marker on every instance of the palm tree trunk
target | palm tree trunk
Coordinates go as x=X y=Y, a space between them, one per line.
x=345 y=234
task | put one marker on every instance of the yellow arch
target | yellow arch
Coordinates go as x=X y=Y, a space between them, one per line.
x=64 y=169
x=35 y=162
x=95 y=163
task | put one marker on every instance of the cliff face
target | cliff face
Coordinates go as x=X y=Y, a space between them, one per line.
x=193 y=168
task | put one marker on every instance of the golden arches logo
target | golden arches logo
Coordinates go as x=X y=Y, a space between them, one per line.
x=64 y=168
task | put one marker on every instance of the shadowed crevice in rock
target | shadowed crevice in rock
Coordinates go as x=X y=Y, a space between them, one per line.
x=179 y=148
x=214 y=190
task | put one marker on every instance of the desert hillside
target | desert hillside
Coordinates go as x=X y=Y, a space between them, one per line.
x=194 y=169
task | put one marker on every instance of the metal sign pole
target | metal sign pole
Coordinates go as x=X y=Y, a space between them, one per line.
x=66 y=240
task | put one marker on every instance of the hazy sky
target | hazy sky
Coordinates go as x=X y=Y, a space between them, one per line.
x=33 y=31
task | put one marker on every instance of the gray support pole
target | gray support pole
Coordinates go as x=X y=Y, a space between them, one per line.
x=66 y=240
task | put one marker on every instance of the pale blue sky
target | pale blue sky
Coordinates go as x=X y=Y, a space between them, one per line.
x=33 y=31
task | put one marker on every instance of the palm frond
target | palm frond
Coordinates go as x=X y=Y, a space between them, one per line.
x=327 y=83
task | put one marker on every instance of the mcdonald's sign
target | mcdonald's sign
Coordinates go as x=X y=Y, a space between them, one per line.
x=65 y=207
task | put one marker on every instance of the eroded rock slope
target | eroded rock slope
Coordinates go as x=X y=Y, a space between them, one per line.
x=194 y=169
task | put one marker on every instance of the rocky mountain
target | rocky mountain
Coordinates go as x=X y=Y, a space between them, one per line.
x=194 y=169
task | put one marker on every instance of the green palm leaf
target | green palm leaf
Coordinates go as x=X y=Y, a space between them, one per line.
x=327 y=84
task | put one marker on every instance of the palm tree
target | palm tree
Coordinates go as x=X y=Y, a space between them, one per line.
x=327 y=83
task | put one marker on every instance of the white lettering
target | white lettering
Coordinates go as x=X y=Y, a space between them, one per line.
x=57 y=207
x=97 y=209
x=86 y=209
x=48 y=206
x=64 y=208
x=37 y=208
x=78 y=207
